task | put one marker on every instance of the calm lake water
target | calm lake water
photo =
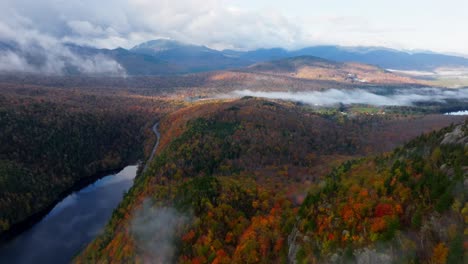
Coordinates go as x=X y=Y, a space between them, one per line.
x=73 y=223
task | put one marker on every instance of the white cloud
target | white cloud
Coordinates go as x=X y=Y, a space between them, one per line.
x=126 y=23
x=38 y=52
x=155 y=231
x=230 y=24
x=10 y=61
x=85 y=28
x=399 y=97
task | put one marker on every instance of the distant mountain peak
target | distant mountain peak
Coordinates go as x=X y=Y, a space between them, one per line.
x=292 y=64
x=161 y=45
x=155 y=56
x=306 y=59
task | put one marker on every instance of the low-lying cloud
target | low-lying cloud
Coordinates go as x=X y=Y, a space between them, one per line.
x=397 y=97
x=155 y=230
x=25 y=49
x=57 y=60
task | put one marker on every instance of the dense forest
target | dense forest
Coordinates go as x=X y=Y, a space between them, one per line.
x=228 y=179
x=53 y=139
x=409 y=206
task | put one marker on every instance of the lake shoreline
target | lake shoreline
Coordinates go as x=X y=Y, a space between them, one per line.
x=20 y=227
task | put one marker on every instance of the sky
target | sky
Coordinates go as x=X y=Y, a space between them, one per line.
x=240 y=24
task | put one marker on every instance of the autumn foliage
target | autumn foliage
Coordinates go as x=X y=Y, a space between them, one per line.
x=237 y=168
x=405 y=199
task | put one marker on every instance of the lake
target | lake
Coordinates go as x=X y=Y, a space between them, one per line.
x=72 y=223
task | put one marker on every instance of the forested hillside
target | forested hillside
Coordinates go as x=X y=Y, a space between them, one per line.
x=48 y=147
x=314 y=68
x=409 y=206
x=228 y=178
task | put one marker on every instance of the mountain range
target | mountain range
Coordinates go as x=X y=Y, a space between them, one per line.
x=166 y=57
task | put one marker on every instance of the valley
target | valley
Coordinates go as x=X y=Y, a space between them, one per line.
x=233 y=132
x=233 y=174
x=244 y=165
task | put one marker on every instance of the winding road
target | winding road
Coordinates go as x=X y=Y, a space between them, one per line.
x=153 y=152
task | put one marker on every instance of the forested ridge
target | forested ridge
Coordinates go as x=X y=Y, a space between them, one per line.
x=232 y=175
x=409 y=206
x=47 y=147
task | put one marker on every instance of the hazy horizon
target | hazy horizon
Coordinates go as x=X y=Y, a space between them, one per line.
x=240 y=25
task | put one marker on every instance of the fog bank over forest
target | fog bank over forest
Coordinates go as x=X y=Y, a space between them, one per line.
x=378 y=97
